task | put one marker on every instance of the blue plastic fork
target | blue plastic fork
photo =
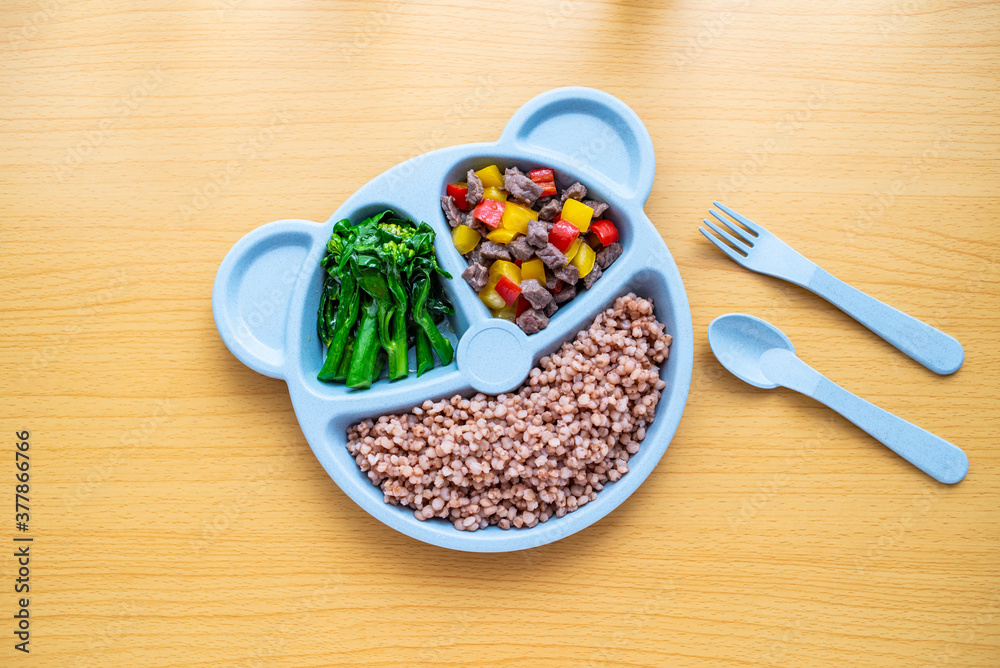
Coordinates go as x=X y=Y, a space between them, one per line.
x=759 y=250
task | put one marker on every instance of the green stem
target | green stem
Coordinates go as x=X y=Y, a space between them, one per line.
x=425 y=358
x=345 y=363
x=347 y=314
x=441 y=345
x=366 y=347
x=399 y=363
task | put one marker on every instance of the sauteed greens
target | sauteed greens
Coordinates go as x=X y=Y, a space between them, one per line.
x=379 y=298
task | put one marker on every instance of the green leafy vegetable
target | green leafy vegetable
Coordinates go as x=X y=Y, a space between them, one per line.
x=380 y=297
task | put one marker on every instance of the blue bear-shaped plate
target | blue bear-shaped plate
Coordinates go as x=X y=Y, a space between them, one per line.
x=267 y=289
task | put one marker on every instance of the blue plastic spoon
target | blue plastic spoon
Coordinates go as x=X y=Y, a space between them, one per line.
x=758 y=353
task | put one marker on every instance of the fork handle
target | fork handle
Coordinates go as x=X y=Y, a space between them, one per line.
x=931 y=347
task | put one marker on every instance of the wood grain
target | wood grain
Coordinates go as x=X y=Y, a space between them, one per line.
x=180 y=518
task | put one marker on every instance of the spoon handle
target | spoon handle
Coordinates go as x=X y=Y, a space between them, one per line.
x=931 y=347
x=931 y=454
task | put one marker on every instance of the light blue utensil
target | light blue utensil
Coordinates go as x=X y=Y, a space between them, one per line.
x=765 y=253
x=267 y=289
x=758 y=353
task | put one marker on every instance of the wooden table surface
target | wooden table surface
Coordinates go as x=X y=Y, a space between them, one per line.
x=179 y=517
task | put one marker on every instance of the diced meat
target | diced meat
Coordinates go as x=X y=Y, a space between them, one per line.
x=477 y=276
x=470 y=221
x=607 y=255
x=551 y=308
x=538 y=233
x=550 y=278
x=598 y=207
x=520 y=249
x=535 y=293
x=475 y=194
x=552 y=257
x=475 y=256
x=451 y=211
x=575 y=191
x=532 y=321
x=521 y=187
x=493 y=251
x=550 y=209
x=591 y=278
x=568 y=274
x=564 y=295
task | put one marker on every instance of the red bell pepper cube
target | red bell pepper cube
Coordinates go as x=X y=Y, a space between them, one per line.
x=557 y=288
x=508 y=289
x=458 y=192
x=517 y=262
x=563 y=235
x=489 y=212
x=605 y=230
x=546 y=178
x=522 y=306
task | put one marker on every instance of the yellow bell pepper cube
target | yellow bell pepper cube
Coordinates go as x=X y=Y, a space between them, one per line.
x=577 y=213
x=533 y=269
x=491 y=298
x=504 y=268
x=516 y=217
x=584 y=260
x=501 y=235
x=465 y=238
x=574 y=249
x=495 y=193
x=491 y=177
x=508 y=312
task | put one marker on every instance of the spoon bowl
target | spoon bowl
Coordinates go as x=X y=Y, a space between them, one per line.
x=739 y=340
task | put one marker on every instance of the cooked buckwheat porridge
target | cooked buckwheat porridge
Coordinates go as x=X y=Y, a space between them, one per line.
x=518 y=459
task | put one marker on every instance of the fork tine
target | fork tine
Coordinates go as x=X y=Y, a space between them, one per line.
x=739 y=243
x=743 y=219
x=736 y=257
x=733 y=227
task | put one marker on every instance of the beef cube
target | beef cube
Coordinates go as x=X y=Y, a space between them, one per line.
x=475 y=256
x=535 y=293
x=550 y=209
x=551 y=308
x=493 y=251
x=552 y=257
x=568 y=292
x=568 y=274
x=475 y=194
x=520 y=187
x=520 y=249
x=538 y=233
x=591 y=278
x=598 y=207
x=531 y=321
x=607 y=255
x=451 y=211
x=477 y=276
x=575 y=191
